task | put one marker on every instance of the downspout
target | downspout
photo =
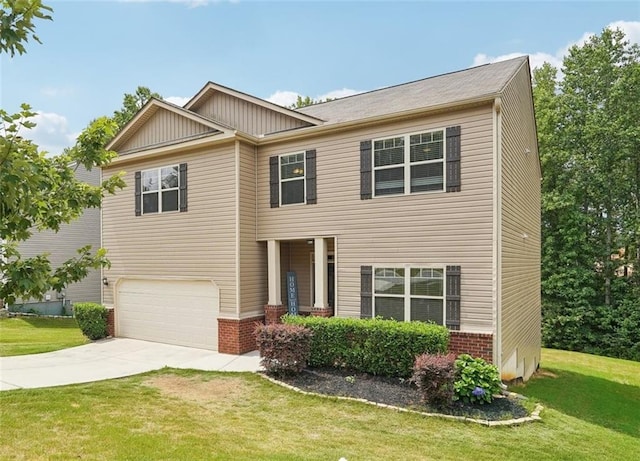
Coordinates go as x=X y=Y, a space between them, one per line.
x=497 y=233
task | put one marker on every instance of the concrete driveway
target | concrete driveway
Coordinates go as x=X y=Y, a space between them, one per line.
x=112 y=358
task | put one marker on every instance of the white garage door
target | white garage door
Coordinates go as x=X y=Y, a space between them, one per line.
x=182 y=312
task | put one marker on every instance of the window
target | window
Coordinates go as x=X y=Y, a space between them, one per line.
x=160 y=190
x=292 y=178
x=408 y=164
x=409 y=293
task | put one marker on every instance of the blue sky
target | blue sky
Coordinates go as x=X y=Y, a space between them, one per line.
x=95 y=51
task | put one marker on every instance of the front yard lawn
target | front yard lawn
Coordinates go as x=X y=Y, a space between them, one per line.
x=33 y=335
x=178 y=414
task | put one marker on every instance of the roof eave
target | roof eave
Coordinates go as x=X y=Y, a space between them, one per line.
x=315 y=130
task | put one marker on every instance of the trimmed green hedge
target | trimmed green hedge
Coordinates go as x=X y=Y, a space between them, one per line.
x=376 y=346
x=92 y=319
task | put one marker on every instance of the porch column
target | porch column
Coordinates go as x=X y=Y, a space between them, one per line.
x=273 y=265
x=320 y=260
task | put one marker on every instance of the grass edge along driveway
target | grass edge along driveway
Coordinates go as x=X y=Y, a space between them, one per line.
x=34 y=335
x=186 y=414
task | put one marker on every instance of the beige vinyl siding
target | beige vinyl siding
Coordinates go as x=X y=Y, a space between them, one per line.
x=444 y=228
x=164 y=126
x=245 y=116
x=200 y=242
x=253 y=254
x=63 y=244
x=520 y=281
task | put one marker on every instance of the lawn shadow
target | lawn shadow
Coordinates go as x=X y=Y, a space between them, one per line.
x=47 y=322
x=596 y=400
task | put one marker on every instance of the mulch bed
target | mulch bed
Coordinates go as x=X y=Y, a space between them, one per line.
x=396 y=392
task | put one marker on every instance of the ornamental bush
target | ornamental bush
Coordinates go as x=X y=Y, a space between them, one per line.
x=476 y=380
x=92 y=319
x=434 y=375
x=284 y=348
x=375 y=346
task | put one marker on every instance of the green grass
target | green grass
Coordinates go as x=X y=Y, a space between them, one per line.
x=33 y=335
x=601 y=390
x=173 y=414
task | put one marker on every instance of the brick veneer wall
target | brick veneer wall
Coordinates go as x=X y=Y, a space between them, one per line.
x=272 y=313
x=237 y=336
x=476 y=344
x=111 y=322
x=322 y=311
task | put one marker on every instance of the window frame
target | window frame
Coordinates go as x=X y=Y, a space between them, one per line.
x=160 y=190
x=407 y=163
x=407 y=296
x=302 y=178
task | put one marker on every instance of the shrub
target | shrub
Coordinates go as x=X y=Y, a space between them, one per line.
x=375 y=346
x=284 y=348
x=92 y=319
x=434 y=375
x=476 y=380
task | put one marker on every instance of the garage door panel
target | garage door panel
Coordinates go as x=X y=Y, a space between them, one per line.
x=182 y=312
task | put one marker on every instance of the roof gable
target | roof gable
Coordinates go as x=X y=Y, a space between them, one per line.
x=160 y=122
x=246 y=113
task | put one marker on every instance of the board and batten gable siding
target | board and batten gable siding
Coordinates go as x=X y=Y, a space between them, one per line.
x=245 y=116
x=422 y=229
x=200 y=242
x=520 y=232
x=164 y=126
x=253 y=254
x=62 y=245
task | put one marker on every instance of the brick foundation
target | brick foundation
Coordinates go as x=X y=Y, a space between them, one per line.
x=237 y=336
x=111 y=322
x=322 y=311
x=272 y=313
x=475 y=344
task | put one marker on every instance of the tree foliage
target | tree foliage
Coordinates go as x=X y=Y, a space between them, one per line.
x=307 y=101
x=40 y=192
x=132 y=103
x=17 y=23
x=589 y=141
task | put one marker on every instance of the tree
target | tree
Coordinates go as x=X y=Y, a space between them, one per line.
x=589 y=142
x=132 y=103
x=39 y=192
x=307 y=101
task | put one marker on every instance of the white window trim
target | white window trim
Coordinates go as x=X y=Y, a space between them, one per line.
x=407 y=163
x=407 y=288
x=159 y=191
x=303 y=177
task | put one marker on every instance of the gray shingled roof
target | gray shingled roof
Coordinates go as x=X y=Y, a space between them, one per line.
x=486 y=80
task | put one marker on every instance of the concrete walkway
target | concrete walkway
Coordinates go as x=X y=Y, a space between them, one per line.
x=112 y=358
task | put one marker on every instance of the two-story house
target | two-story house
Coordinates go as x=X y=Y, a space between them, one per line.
x=419 y=201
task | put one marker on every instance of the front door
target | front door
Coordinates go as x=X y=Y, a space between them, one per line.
x=331 y=280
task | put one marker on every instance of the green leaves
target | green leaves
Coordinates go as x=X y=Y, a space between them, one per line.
x=589 y=143
x=17 y=23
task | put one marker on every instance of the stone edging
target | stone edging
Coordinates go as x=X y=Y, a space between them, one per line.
x=29 y=314
x=535 y=415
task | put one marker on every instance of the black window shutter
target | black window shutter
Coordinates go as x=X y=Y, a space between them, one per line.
x=366 y=292
x=138 y=191
x=183 y=187
x=453 y=159
x=365 y=170
x=453 y=297
x=310 y=159
x=274 y=181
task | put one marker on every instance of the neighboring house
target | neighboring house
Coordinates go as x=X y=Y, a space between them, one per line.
x=61 y=246
x=418 y=202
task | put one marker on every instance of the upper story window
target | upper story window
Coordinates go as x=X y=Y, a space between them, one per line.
x=409 y=293
x=416 y=162
x=292 y=178
x=161 y=190
x=408 y=164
